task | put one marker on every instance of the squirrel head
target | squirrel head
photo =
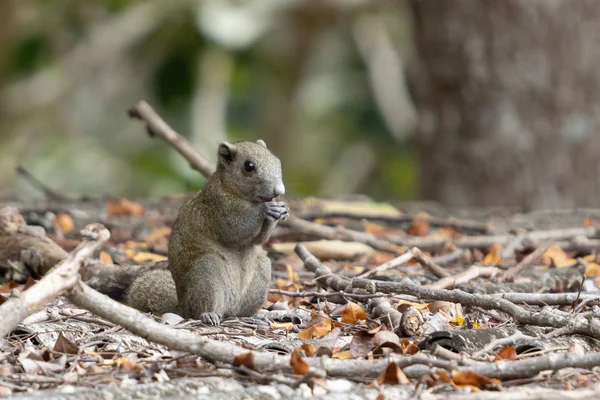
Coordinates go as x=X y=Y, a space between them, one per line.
x=250 y=170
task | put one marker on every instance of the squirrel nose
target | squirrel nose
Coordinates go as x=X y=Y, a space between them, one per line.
x=279 y=190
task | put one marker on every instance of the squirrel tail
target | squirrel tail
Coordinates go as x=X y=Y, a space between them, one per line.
x=153 y=291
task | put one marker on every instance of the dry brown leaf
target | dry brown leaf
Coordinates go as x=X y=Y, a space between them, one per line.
x=343 y=355
x=282 y=325
x=8 y=286
x=353 y=313
x=592 y=270
x=470 y=378
x=589 y=222
x=274 y=298
x=143 y=257
x=446 y=232
x=299 y=366
x=507 y=353
x=393 y=375
x=408 y=347
x=383 y=337
x=127 y=364
x=94 y=354
x=133 y=245
x=557 y=257
x=157 y=234
x=124 y=207
x=494 y=255
x=317 y=330
x=418 y=306
x=105 y=258
x=29 y=283
x=308 y=349
x=356 y=269
x=64 y=345
x=322 y=328
x=361 y=344
x=371 y=227
x=376 y=327
x=382 y=257
x=419 y=227
x=446 y=307
x=245 y=359
x=443 y=375
x=63 y=223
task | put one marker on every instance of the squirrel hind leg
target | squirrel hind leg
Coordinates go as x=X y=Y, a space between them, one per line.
x=154 y=291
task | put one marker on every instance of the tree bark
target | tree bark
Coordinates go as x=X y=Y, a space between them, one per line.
x=508 y=94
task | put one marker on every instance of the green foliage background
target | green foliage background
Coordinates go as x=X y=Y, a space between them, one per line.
x=302 y=84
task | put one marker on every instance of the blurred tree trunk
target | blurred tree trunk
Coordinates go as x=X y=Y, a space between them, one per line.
x=508 y=94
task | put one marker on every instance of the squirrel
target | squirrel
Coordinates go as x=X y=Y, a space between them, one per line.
x=217 y=266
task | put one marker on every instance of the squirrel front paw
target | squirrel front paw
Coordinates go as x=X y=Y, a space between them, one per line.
x=277 y=210
x=210 y=318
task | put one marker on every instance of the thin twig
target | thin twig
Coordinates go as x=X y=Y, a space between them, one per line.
x=455 y=223
x=473 y=272
x=428 y=263
x=157 y=126
x=396 y=262
x=326 y=295
x=327 y=232
x=510 y=273
x=48 y=192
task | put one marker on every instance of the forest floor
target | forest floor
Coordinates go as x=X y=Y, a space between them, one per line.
x=367 y=300
x=425 y=306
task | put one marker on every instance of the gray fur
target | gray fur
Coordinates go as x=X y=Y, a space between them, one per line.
x=218 y=266
x=155 y=293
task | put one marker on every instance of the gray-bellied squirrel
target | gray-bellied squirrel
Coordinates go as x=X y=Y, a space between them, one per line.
x=217 y=266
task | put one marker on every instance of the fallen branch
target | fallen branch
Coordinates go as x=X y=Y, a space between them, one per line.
x=396 y=262
x=59 y=279
x=348 y=235
x=413 y=253
x=501 y=369
x=157 y=126
x=473 y=272
x=327 y=295
x=25 y=246
x=547 y=299
x=442 y=352
x=544 y=317
x=501 y=342
x=428 y=263
x=455 y=223
x=217 y=351
x=580 y=324
x=510 y=273
x=564 y=239
x=520 y=394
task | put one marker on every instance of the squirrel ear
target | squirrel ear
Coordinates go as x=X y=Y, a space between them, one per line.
x=227 y=152
x=262 y=143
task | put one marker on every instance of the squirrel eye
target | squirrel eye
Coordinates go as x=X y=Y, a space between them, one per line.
x=249 y=166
